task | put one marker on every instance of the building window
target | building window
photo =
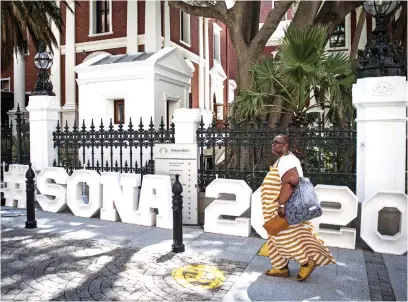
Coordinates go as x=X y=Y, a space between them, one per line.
x=5 y=84
x=119 y=111
x=285 y=16
x=338 y=38
x=185 y=28
x=101 y=17
x=217 y=42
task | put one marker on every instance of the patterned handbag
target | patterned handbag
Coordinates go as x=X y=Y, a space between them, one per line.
x=303 y=205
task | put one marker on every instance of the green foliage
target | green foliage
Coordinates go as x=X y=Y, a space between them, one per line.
x=301 y=71
x=23 y=19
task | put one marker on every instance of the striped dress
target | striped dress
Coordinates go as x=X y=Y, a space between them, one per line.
x=298 y=242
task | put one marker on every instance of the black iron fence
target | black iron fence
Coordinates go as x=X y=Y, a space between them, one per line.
x=15 y=140
x=327 y=154
x=118 y=148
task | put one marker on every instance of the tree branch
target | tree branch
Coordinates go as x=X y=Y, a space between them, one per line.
x=333 y=13
x=306 y=13
x=270 y=25
x=216 y=11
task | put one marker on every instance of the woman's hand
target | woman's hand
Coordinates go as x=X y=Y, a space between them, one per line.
x=281 y=212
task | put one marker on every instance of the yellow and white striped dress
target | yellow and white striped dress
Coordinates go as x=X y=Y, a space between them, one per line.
x=298 y=242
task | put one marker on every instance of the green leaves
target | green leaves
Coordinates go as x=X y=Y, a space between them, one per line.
x=302 y=77
x=23 y=19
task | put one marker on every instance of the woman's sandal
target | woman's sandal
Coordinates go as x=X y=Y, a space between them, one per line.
x=284 y=272
x=305 y=271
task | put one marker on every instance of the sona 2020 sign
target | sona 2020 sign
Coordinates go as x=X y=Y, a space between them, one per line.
x=116 y=197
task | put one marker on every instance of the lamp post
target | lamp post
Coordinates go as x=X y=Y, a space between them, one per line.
x=380 y=58
x=43 y=61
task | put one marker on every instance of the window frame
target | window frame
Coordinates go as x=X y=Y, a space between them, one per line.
x=347 y=35
x=9 y=83
x=217 y=36
x=116 y=119
x=93 y=26
x=185 y=38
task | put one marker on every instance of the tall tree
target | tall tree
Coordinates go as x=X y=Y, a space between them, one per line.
x=23 y=19
x=242 y=21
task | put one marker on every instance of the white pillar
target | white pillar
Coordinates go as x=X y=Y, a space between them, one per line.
x=152 y=26
x=381 y=134
x=132 y=45
x=70 y=109
x=19 y=86
x=207 y=66
x=56 y=65
x=186 y=122
x=44 y=115
x=167 y=27
x=201 y=67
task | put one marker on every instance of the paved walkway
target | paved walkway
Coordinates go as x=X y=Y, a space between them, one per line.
x=72 y=258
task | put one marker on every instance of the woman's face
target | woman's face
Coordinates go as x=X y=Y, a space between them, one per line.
x=278 y=146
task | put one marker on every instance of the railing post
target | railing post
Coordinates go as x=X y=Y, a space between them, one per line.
x=177 y=246
x=18 y=132
x=31 y=223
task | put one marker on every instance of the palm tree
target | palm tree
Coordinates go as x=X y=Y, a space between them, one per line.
x=302 y=70
x=20 y=19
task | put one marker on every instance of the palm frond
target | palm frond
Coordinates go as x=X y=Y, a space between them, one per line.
x=20 y=19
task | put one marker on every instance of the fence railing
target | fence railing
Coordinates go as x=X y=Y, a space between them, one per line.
x=327 y=154
x=119 y=148
x=15 y=140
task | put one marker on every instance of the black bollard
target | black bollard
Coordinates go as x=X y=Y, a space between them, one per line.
x=31 y=223
x=177 y=246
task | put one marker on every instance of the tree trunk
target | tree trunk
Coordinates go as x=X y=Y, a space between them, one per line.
x=246 y=61
x=357 y=34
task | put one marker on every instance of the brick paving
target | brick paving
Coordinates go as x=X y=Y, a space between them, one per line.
x=378 y=280
x=42 y=268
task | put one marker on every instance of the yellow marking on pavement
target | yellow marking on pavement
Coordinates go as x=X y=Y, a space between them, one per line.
x=200 y=275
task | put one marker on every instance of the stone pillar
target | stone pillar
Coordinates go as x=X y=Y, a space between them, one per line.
x=207 y=67
x=167 y=26
x=202 y=64
x=70 y=108
x=152 y=26
x=44 y=116
x=132 y=45
x=381 y=134
x=56 y=65
x=19 y=86
x=187 y=121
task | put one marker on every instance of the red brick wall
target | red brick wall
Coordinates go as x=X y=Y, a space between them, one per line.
x=62 y=80
x=266 y=7
x=141 y=6
x=194 y=87
x=82 y=25
x=30 y=70
x=174 y=24
x=175 y=31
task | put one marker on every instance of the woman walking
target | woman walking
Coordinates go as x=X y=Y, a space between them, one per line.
x=297 y=242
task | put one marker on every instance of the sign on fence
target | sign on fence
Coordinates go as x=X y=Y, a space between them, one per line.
x=172 y=159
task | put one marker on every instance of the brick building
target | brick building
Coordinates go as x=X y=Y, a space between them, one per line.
x=120 y=27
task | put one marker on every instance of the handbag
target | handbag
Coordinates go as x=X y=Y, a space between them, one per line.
x=275 y=225
x=303 y=205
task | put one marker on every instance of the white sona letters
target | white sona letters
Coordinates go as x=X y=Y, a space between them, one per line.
x=120 y=196
x=74 y=193
x=156 y=193
x=48 y=189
